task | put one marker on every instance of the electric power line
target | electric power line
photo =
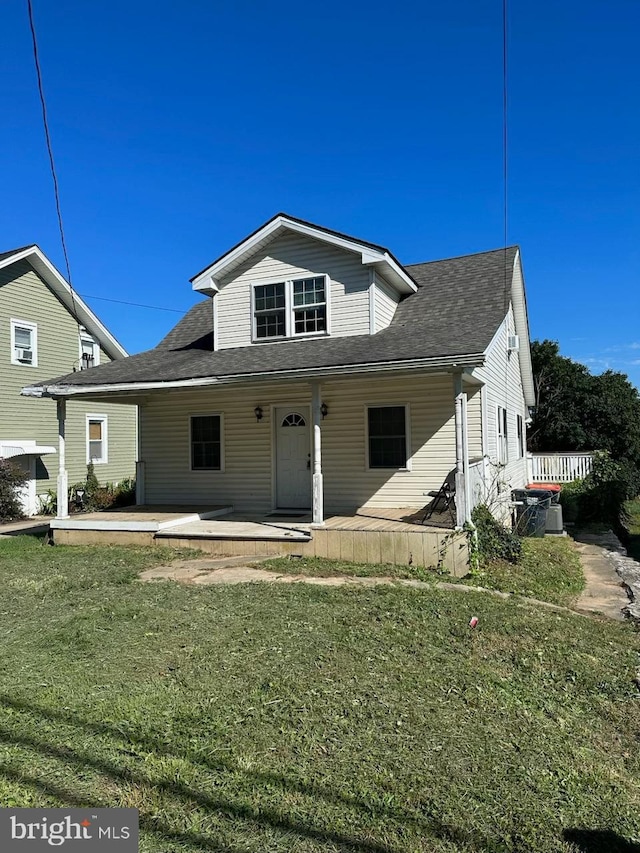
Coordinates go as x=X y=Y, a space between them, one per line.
x=134 y=304
x=52 y=166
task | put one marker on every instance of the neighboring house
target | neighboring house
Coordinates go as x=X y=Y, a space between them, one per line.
x=320 y=373
x=44 y=331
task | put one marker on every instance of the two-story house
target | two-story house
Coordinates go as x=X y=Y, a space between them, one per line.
x=46 y=330
x=320 y=374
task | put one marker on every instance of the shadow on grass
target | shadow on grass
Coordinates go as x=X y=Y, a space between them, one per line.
x=599 y=841
x=256 y=818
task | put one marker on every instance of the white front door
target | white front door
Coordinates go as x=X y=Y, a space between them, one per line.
x=293 y=458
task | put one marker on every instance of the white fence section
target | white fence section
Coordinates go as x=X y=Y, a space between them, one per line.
x=558 y=467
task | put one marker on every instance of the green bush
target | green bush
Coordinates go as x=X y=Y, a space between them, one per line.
x=11 y=481
x=495 y=542
x=601 y=496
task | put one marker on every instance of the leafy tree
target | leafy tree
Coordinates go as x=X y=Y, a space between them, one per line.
x=576 y=410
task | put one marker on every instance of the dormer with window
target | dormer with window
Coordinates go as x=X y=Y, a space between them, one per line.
x=293 y=280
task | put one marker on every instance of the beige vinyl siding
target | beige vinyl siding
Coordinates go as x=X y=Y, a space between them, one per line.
x=503 y=379
x=247 y=481
x=23 y=295
x=295 y=256
x=385 y=303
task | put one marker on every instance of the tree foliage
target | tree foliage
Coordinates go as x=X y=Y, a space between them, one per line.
x=576 y=410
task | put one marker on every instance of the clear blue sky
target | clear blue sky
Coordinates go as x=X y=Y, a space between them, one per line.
x=179 y=127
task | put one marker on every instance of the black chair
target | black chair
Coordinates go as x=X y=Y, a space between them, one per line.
x=443 y=497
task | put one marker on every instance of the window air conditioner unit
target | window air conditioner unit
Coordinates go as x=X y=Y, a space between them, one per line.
x=24 y=355
x=514 y=343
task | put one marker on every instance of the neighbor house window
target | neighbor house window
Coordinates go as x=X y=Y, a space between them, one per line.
x=503 y=439
x=520 y=434
x=291 y=308
x=89 y=351
x=206 y=443
x=97 y=449
x=24 y=343
x=387 y=437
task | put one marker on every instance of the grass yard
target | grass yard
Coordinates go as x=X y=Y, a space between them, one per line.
x=276 y=717
x=549 y=569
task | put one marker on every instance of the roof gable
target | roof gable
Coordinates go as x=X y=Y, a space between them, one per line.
x=62 y=290
x=208 y=280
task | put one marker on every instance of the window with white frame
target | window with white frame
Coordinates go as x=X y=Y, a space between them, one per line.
x=387 y=437
x=24 y=343
x=206 y=442
x=520 y=435
x=89 y=351
x=503 y=438
x=293 y=308
x=97 y=439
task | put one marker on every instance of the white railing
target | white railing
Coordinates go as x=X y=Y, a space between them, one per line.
x=558 y=467
x=477 y=485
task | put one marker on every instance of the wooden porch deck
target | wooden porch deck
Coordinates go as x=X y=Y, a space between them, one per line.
x=384 y=535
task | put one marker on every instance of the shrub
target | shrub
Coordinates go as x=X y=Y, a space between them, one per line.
x=495 y=542
x=11 y=481
x=92 y=484
x=601 y=496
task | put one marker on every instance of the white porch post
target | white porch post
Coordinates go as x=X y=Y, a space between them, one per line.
x=463 y=511
x=318 y=496
x=63 y=477
x=140 y=467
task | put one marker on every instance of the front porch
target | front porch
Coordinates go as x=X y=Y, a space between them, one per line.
x=367 y=535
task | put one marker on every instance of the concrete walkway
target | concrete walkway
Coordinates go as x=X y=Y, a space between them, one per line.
x=27 y=527
x=604 y=591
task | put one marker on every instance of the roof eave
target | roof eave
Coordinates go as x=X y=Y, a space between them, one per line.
x=440 y=364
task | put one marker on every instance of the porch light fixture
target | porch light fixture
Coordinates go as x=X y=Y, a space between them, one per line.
x=258 y=413
x=324 y=411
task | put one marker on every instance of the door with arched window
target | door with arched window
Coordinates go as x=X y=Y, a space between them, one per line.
x=293 y=458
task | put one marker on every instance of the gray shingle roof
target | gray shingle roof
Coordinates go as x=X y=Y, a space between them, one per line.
x=456 y=311
x=4 y=255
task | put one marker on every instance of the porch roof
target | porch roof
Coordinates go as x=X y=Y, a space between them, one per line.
x=449 y=322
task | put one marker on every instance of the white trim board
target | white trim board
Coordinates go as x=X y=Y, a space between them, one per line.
x=209 y=280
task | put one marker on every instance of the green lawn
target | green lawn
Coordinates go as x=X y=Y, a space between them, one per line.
x=273 y=717
x=549 y=570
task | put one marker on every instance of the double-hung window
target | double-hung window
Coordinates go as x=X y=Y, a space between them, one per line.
x=387 y=437
x=24 y=343
x=292 y=308
x=89 y=351
x=503 y=438
x=520 y=435
x=97 y=447
x=206 y=443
